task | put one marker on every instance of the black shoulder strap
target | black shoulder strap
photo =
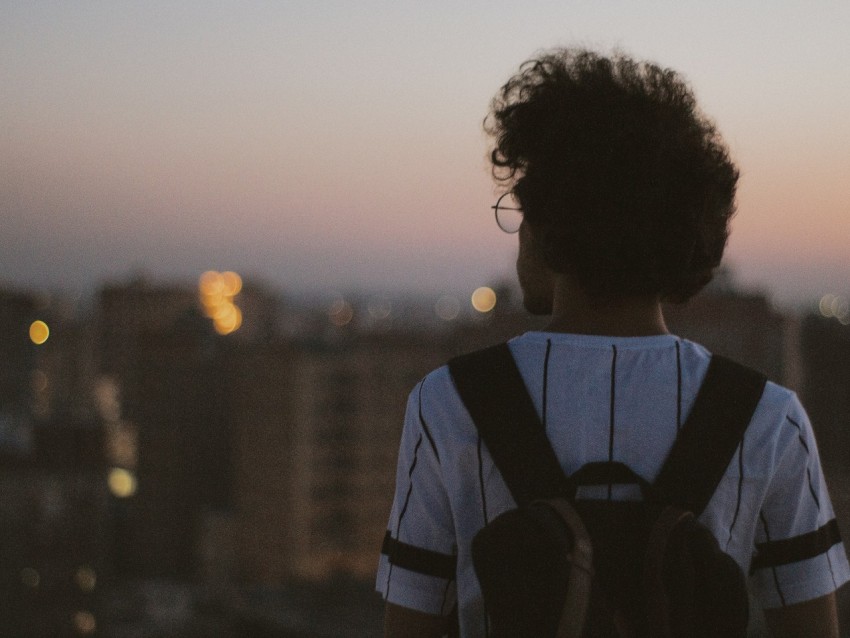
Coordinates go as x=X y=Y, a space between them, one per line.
x=495 y=396
x=722 y=411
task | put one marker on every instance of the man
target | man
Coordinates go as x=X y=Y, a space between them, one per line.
x=623 y=194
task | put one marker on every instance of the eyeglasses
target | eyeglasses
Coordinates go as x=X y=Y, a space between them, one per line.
x=508 y=213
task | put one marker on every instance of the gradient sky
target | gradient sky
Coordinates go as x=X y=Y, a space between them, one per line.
x=324 y=145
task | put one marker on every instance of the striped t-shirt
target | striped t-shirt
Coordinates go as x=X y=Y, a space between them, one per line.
x=606 y=398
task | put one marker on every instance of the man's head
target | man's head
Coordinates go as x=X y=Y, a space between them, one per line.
x=623 y=183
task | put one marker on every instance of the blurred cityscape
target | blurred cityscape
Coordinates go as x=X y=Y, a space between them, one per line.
x=216 y=459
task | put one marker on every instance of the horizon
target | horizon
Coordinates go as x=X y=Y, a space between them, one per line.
x=79 y=301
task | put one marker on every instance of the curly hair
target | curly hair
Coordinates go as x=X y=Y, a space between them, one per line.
x=622 y=180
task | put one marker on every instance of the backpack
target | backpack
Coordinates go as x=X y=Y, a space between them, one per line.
x=562 y=567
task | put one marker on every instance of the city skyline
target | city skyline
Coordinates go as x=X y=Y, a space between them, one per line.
x=155 y=475
x=322 y=146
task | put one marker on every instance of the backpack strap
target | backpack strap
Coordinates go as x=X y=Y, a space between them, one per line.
x=710 y=436
x=492 y=389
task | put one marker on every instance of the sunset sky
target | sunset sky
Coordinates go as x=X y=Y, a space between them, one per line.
x=320 y=145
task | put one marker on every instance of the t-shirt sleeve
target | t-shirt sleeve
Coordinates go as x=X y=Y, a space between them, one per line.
x=419 y=555
x=799 y=554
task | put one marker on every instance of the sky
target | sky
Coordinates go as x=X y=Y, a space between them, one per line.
x=338 y=145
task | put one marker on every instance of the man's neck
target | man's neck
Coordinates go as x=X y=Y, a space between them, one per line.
x=575 y=312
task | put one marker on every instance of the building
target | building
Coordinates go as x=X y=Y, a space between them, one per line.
x=126 y=312
x=18 y=354
x=56 y=536
x=317 y=423
x=742 y=326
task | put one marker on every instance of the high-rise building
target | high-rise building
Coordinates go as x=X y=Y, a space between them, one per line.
x=162 y=392
x=17 y=372
x=317 y=423
x=317 y=427
x=56 y=532
x=825 y=345
x=126 y=313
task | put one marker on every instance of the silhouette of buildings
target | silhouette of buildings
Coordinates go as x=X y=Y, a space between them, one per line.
x=825 y=344
x=56 y=533
x=743 y=326
x=17 y=312
x=55 y=509
x=243 y=471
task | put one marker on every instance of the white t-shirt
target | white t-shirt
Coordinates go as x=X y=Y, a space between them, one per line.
x=606 y=398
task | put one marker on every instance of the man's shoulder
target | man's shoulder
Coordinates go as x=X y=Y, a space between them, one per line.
x=435 y=393
x=440 y=382
x=779 y=421
x=439 y=404
x=437 y=383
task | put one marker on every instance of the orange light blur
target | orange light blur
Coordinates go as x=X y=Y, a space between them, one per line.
x=230 y=320
x=39 y=332
x=484 y=299
x=232 y=283
x=216 y=291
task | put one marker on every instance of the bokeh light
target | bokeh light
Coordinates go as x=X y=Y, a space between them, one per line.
x=447 y=307
x=211 y=284
x=380 y=308
x=85 y=623
x=840 y=307
x=341 y=313
x=216 y=291
x=835 y=307
x=39 y=332
x=227 y=320
x=122 y=483
x=232 y=283
x=484 y=299
x=86 y=578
